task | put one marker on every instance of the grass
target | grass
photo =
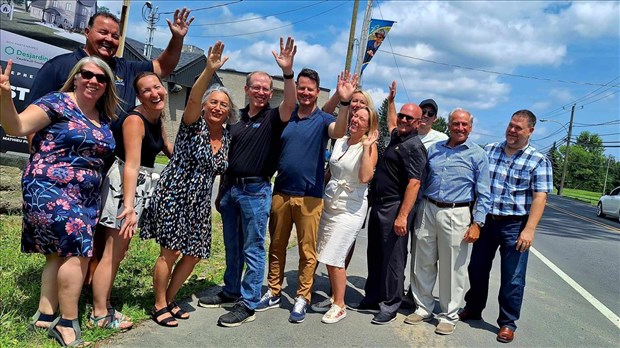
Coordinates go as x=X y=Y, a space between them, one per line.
x=25 y=25
x=20 y=276
x=582 y=195
x=161 y=159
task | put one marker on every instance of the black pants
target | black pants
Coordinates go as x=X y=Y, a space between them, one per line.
x=386 y=257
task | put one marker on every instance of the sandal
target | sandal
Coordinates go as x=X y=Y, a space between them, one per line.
x=118 y=315
x=38 y=316
x=75 y=325
x=180 y=313
x=164 y=322
x=110 y=322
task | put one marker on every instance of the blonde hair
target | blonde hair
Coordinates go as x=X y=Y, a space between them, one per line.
x=373 y=117
x=109 y=101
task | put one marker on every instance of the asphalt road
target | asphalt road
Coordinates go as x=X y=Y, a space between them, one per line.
x=578 y=308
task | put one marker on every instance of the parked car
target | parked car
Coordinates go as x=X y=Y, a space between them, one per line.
x=609 y=204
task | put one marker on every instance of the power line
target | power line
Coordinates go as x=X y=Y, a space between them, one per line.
x=500 y=73
x=395 y=62
x=276 y=28
x=208 y=7
x=253 y=18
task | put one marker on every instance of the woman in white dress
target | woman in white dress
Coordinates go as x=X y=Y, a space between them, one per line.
x=352 y=166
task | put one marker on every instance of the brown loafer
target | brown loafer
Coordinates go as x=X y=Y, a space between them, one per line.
x=505 y=334
x=465 y=315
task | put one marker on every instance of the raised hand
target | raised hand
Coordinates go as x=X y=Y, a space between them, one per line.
x=392 y=93
x=5 y=85
x=287 y=53
x=371 y=138
x=346 y=85
x=214 y=56
x=180 y=25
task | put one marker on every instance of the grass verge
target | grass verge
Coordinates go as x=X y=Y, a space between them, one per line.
x=582 y=195
x=20 y=278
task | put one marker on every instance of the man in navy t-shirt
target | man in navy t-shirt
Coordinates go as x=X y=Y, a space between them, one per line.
x=102 y=40
x=298 y=191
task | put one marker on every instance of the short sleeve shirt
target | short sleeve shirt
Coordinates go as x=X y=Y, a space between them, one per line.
x=301 y=166
x=255 y=143
x=404 y=158
x=55 y=72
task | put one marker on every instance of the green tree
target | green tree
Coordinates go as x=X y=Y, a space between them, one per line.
x=103 y=9
x=554 y=158
x=441 y=125
x=382 y=112
x=591 y=142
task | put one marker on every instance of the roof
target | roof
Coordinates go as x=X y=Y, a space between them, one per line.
x=186 y=57
x=88 y=3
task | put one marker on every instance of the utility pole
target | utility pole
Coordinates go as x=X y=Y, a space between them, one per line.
x=363 y=38
x=606 y=173
x=565 y=166
x=347 y=64
x=123 y=27
x=151 y=19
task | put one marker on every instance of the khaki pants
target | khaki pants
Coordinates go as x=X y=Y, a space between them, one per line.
x=305 y=213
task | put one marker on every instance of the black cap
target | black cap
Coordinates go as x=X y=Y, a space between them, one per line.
x=430 y=102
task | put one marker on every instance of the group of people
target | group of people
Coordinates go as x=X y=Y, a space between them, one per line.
x=90 y=184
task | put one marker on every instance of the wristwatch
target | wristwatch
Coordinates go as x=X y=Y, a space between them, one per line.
x=480 y=224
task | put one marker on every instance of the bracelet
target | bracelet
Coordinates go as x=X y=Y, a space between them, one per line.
x=345 y=103
x=288 y=77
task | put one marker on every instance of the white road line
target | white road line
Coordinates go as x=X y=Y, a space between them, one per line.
x=583 y=292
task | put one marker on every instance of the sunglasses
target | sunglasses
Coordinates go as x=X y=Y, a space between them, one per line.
x=407 y=117
x=429 y=113
x=88 y=75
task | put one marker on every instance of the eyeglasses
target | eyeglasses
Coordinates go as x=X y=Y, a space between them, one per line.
x=257 y=89
x=88 y=75
x=428 y=113
x=407 y=117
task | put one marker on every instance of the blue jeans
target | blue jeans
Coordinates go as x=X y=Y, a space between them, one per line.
x=245 y=210
x=494 y=234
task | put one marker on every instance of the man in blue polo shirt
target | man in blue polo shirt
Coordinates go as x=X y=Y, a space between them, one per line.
x=102 y=40
x=298 y=191
x=521 y=177
x=244 y=198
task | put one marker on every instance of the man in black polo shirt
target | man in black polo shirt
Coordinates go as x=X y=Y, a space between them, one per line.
x=245 y=193
x=395 y=184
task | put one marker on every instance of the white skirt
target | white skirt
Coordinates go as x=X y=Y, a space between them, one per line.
x=339 y=226
x=112 y=199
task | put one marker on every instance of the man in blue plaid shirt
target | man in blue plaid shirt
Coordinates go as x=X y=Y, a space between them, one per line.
x=521 y=177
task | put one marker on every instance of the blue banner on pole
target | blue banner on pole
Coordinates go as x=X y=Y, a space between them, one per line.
x=377 y=31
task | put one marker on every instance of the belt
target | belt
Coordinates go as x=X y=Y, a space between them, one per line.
x=247 y=180
x=448 y=205
x=508 y=217
x=387 y=199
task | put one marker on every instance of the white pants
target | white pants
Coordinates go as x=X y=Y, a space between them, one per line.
x=439 y=236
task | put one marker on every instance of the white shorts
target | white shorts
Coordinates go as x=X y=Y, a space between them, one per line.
x=112 y=193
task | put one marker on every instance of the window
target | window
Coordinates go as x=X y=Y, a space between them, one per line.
x=615 y=192
x=68 y=6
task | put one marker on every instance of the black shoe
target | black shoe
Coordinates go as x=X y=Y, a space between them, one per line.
x=466 y=315
x=238 y=315
x=365 y=306
x=217 y=301
x=383 y=318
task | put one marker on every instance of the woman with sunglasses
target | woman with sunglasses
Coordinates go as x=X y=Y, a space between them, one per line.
x=352 y=166
x=179 y=214
x=140 y=136
x=61 y=184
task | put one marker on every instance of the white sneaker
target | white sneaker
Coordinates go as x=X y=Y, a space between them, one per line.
x=298 y=314
x=268 y=301
x=323 y=306
x=334 y=314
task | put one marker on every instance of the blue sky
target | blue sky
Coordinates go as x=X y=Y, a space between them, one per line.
x=566 y=52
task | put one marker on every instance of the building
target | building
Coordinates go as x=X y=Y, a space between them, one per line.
x=67 y=14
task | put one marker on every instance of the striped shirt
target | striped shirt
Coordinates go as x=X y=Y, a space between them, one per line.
x=514 y=179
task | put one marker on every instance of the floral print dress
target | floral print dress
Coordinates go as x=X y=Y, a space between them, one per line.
x=179 y=213
x=61 y=181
